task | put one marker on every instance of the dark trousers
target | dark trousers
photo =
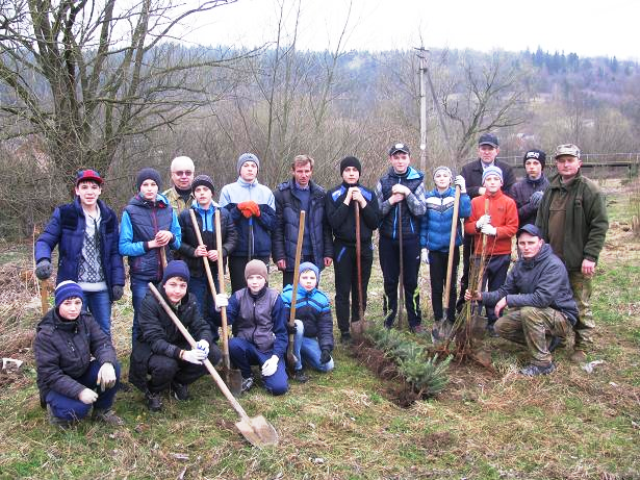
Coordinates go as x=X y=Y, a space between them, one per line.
x=199 y=286
x=390 y=264
x=165 y=370
x=244 y=354
x=467 y=248
x=495 y=274
x=438 y=266
x=287 y=276
x=236 y=270
x=345 y=267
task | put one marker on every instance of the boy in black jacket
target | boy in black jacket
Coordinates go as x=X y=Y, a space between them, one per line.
x=340 y=209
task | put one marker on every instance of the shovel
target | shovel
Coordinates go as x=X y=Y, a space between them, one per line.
x=257 y=431
x=360 y=328
x=291 y=358
x=230 y=376
x=401 y=282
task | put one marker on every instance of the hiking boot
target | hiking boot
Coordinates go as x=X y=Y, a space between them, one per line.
x=554 y=343
x=154 y=401
x=345 y=338
x=246 y=385
x=180 y=391
x=417 y=329
x=535 y=370
x=57 y=421
x=299 y=376
x=107 y=416
x=579 y=356
x=491 y=331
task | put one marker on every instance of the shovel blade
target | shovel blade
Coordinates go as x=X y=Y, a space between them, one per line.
x=258 y=432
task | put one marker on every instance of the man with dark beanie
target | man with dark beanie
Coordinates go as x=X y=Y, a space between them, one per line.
x=161 y=358
x=529 y=191
x=340 y=205
x=193 y=253
x=148 y=224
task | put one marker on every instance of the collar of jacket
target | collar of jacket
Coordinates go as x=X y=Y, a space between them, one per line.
x=537 y=181
x=544 y=252
x=243 y=183
x=410 y=174
x=260 y=292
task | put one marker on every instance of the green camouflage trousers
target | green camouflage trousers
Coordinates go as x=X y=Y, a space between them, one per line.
x=581 y=287
x=531 y=326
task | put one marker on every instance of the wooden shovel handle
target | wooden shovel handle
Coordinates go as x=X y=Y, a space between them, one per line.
x=220 y=263
x=359 y=264
x=452 y=246
x=296 y=275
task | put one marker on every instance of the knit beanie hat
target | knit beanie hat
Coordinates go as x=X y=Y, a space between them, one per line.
x=443 y=168
x=536 y=155
x=67 y=289
x=256 y=267
x=350 y=162
x=247 y=157
x=309 y=266
x=176 y=268
x=148 y=174
x=202 y=180
x=492 y=170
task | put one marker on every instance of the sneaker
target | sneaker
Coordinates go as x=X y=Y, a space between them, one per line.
x=57 y=421
x=345 y=338
x=417 y=329
x=491 y=331
x=535 y=370
x=107 y=416
x=246 y=385
x=299 y=376
x=579 y=356
x=180 y=391
x=154 y=401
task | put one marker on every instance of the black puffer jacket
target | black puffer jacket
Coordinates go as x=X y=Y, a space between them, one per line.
x=342 y=218
x=541 y=282
x=158 y=335
x=63 y=351
x=521 y=193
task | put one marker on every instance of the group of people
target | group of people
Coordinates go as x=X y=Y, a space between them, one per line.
x=172 y=239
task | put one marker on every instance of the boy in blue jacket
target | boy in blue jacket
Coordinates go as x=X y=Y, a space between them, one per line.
x=435 y=237
x=253 y=211
x=313 y=330
x=148 y=224
x=86 y=233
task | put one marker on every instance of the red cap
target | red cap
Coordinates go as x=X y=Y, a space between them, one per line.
x=88 y=175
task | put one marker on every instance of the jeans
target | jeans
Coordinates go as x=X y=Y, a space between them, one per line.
x=67 y=408
x=139 y=289
x=99 y=304
x=307 y=351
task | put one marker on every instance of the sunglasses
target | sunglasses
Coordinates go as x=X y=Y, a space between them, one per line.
x=183 y=173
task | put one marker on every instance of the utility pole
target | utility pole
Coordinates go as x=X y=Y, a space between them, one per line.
x=422 y=55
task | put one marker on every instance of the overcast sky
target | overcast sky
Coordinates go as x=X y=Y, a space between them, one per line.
x=586 y=27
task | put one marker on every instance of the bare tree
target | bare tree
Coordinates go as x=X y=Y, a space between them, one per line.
x=86 y=75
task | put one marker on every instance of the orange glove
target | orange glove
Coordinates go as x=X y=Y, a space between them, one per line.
x=249 y=209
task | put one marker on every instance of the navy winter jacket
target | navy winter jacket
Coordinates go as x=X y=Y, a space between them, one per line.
x=435 y=228
x=285 y=236
x=66 y=229
x=521 y=193
x=314 y=310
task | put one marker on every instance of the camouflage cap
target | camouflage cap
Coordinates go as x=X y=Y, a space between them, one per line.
x=567 y=149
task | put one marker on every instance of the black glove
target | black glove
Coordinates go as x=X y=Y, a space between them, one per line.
x=535 y=198
x=325 y=356
x=291 y=329
x=116 y=292
x=43 y=269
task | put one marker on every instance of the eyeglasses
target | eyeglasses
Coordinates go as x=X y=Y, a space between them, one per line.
x=183 y=173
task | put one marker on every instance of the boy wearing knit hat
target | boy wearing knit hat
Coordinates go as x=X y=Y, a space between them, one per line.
x=435 y=238
x=253 y=212
x=86 y=233
x=529 y=191
x=193 y=253
x=67 y=377
x=499 y=224
x=148 y=225
x=313 y=329
x=257 y=316
x=340 y=206
x=161 y=358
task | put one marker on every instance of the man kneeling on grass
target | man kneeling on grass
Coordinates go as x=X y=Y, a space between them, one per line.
x=76 y=363
x=542 y=309
x=313 y=328
x=160 y=350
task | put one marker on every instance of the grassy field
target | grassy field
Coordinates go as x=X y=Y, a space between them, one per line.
x=485 y=425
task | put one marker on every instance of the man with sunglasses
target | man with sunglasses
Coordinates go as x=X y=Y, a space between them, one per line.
x=182 y=174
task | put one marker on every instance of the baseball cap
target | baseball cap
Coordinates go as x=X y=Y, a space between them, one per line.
x=567 y=149
x=488 y=139
x=399 y=147
x=88 y=175
x=530 y=229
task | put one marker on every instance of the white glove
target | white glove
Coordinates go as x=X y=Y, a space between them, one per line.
x=424 y=256
x=270 y=366
x=106 y=376
x=221 y=301
x=195 y=356
x=489 y=230
x=204 y=346
x=482 y=221
x=461 y=183
x=88 y=396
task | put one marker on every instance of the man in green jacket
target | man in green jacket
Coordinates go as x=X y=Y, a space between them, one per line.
x=573 y=220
